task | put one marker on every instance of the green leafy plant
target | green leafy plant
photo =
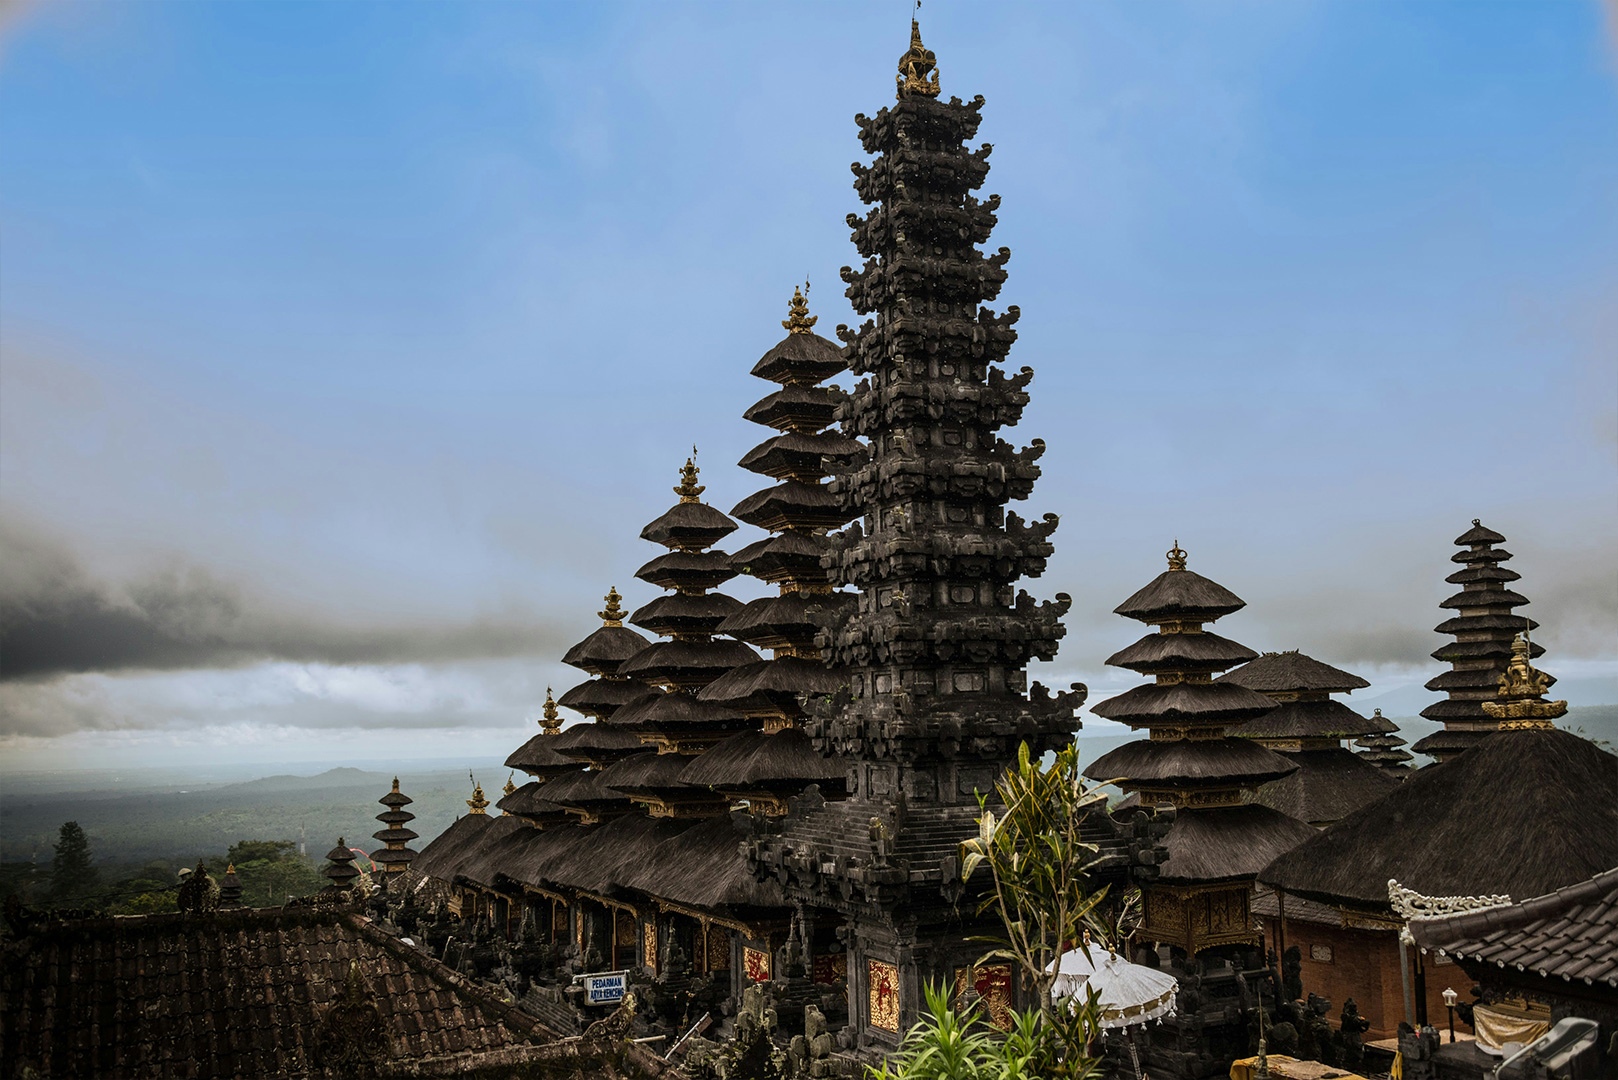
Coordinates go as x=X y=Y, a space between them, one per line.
x=1043 y=890
x=1040 y=866
x=951 y=1044
x=943 y=1045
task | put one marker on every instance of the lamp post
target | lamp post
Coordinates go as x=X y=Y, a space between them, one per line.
x=1449 y=1003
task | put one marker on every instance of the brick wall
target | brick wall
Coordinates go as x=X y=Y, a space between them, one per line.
x=1364 y=965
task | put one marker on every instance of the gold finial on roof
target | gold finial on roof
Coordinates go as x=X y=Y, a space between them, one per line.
x=1520 y=688
x=396 y=784
x=798 y=320
x=688 y=489
x=477 y=804
x=553 y=723
x=613 y=614
x=230 y=868
x=915 y=65
x=1176 y=556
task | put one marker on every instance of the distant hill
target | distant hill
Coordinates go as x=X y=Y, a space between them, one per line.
x=140 y=825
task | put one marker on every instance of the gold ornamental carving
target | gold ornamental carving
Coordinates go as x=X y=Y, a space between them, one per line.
x=551 y=722
x=914 y=67
x=798 y=320
x=1522 y=686
x=613 y=614
x=688 y=489
x=477 y=804
x=882 y=980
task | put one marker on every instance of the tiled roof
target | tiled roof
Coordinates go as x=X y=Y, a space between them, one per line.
x=1571 y=933
x=239 y=993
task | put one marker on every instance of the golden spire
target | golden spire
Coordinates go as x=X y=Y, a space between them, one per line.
x=1520 y=687
x=509 y=789
x=230 y=868
x=477 y=804
x=689 y=490
x=914 y=66
x=798 y=320
x=396 y=785
x=1176 y=556
x=613 y=615
x=553 y=723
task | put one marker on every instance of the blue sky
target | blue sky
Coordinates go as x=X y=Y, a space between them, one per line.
x=366 y=337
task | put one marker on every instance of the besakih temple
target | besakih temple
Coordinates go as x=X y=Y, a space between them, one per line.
x=723 y=820
x=1382 y=748
x=1222 y=834
x=394 y=857
x=1485 y=626
x=769 y=847
x=1308 y=728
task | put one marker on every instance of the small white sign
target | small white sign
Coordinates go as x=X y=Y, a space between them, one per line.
x=605 y=989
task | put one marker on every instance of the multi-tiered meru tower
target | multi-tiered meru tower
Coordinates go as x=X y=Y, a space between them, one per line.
x=1485 y=628
x=936 y=699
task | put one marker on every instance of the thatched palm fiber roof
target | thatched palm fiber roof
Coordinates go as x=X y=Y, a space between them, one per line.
x=688 y=570
x=751 y=759
x=602 y=698
x=801 y=358
x=1191 y=763
x=689 y=525
x=703 y=868
x=776 y=681
x=796 y=406
x=604 y=650
x=687 y=612
x=1207 y=704
x=1521 y=812
x=1292 y=672
x=1328 y=786
x=1181 y=595
x=1571 y=933
x=1324 y=719
x=1228 y=843
x=672 y=712
x=1181 y=652
x=591 y=740
x=1478 y=534
x=693 y=661
x=647 y=773
x=538 y=757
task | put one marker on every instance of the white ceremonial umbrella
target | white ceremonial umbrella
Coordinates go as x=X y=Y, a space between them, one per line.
x=1128 y=994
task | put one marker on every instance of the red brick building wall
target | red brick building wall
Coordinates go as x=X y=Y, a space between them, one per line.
x=1340 y=962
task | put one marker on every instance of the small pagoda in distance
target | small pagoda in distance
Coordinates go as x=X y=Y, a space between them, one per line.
x=1308 y=728
x=1485 y=629
x=394 y=857
x=774 y=759
x=1221 y=837
x=341 y=872
x=1382 y=749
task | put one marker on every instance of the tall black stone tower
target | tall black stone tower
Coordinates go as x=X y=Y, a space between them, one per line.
x=935 y=697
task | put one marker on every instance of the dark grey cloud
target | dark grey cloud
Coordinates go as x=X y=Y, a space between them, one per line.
x=57 y=619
